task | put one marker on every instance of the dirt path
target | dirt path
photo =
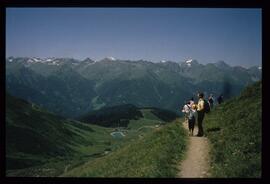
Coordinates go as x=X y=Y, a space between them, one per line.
x=196 y=163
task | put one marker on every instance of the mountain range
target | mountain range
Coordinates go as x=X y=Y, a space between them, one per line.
x=73 y=88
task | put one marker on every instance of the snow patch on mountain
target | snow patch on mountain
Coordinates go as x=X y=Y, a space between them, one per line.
x=52 y=62
x=30 y=61
x=189 y=61
x=111 y=58
x=36 y=59
x=259 y=67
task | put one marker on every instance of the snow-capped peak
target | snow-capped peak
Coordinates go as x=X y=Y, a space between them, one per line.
x=10 y=60
x=189 y=61
x=36 y=59
x=259 y=67
x=49 y=59
x=111 y=58
x=163 y=61
x=30 y=61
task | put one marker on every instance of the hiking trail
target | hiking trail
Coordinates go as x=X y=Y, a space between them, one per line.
x=196 y=162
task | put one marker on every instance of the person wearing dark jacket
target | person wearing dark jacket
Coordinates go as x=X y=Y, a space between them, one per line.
x=211 y=101
x=220 y=99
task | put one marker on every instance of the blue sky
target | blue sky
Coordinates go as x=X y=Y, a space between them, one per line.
x=154 y=34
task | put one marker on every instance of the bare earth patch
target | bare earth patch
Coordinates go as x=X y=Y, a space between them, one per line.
x=196 y=163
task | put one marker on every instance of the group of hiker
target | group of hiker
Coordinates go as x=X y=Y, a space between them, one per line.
x=191 y=110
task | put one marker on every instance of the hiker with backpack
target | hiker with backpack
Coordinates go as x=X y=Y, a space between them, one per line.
x=202 y=108
x=211 y=101
x=220 y=99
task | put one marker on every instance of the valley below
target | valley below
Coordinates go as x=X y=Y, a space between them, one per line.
x=64 y=143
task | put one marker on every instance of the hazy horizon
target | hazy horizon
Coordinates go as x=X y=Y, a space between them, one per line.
x=207 y=35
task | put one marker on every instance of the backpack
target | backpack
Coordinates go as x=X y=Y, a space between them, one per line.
x=206 y=107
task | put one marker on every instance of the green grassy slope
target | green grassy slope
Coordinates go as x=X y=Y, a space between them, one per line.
x=154 y=155
x=30 y=130
x=234 y=130
x=39 y=143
